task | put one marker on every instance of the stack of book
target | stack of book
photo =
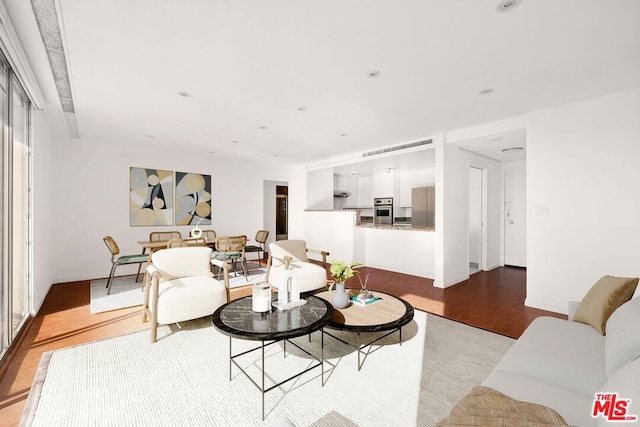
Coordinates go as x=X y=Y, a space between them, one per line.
x=364 y=301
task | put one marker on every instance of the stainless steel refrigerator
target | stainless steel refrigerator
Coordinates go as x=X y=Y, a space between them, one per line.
x=423 y=207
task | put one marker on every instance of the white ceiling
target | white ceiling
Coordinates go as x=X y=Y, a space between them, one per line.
x=250 y=63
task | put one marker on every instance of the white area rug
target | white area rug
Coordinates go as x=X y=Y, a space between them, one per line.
x=183 y=379
x=125 y=292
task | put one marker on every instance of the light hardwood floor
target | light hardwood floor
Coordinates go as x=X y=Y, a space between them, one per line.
x=491 y=300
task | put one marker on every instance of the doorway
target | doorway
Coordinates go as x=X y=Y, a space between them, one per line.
x=282 y=212
x=515 y=218
x=475 y=219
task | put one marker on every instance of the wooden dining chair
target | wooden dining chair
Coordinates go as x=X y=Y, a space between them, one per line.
x=182 y=243
x=210 y=235
x=159 y=236
x=261 y=239
x=231 y=248
x=117 y=259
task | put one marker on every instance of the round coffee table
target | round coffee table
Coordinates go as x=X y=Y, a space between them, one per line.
x=237 y=320
x=390 y=313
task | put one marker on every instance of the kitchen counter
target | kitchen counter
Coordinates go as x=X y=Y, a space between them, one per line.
x=347 y=237
x=401 y=227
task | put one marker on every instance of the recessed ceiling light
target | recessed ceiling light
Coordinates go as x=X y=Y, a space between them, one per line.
x=275 y=155
x=506 y=150
x=263 y=127
x=150 y=136
x=184 y=94
x=235 y=142
x=302 y=108
x=212 y=152
x=507 y=5
x=373 y=74
x=486 y=91
x=344 y=134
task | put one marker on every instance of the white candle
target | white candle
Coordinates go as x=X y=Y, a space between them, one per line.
x=261 y=303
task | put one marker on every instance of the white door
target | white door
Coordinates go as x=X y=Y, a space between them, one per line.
x=475 y=219
x=515 y=218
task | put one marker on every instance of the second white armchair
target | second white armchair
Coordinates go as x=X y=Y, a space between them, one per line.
x=310 y=276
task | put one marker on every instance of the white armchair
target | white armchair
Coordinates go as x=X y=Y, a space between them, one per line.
x=310 y=276
x=182 y=286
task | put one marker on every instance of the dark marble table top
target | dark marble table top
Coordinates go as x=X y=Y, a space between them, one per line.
x=236 y=319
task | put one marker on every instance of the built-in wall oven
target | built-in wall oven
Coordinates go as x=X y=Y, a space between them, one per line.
x=383 y=210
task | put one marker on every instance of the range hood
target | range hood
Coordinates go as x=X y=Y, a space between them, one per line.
x=343 y=194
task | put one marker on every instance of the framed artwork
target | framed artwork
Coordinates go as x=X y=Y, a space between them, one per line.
x=193 y=199
x=150 y=197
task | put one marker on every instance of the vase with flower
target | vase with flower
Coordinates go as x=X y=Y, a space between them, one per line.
x=341 y=272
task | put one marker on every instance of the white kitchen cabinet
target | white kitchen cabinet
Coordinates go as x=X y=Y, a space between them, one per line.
x=365 y=196
x=384 y=185
x=352 y=189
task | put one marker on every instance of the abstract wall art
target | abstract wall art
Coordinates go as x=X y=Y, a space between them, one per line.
x=193 y=198
x=150 y=197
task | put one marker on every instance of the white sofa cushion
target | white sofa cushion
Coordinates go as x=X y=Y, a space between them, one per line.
x=625 y=382
x=309 y=276
x=564 y=354
x=574 y=408
x=189 y=298
x=622 y=342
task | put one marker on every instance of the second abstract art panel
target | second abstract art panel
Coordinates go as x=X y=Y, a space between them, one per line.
x=193 y=199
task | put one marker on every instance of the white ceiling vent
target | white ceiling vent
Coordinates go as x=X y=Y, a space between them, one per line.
x=397 y=147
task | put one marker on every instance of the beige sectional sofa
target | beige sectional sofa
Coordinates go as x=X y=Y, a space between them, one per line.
x=563 y=364
x=557 y=368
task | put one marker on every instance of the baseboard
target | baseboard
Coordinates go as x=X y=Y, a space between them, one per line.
x=544 y=305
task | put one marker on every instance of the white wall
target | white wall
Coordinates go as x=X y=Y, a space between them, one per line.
x=44 y=246
x=297 y=201
x=91 y=182
x=403 y=251
x=332 y=232
x=583 y=164
x=319 y=189
x=452 y=213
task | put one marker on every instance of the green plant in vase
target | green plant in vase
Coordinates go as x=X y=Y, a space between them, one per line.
x=342 y=272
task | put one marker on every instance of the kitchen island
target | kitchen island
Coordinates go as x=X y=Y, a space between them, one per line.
x=398 y=248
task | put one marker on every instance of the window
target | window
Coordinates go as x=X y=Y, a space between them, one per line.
x=15 y=252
